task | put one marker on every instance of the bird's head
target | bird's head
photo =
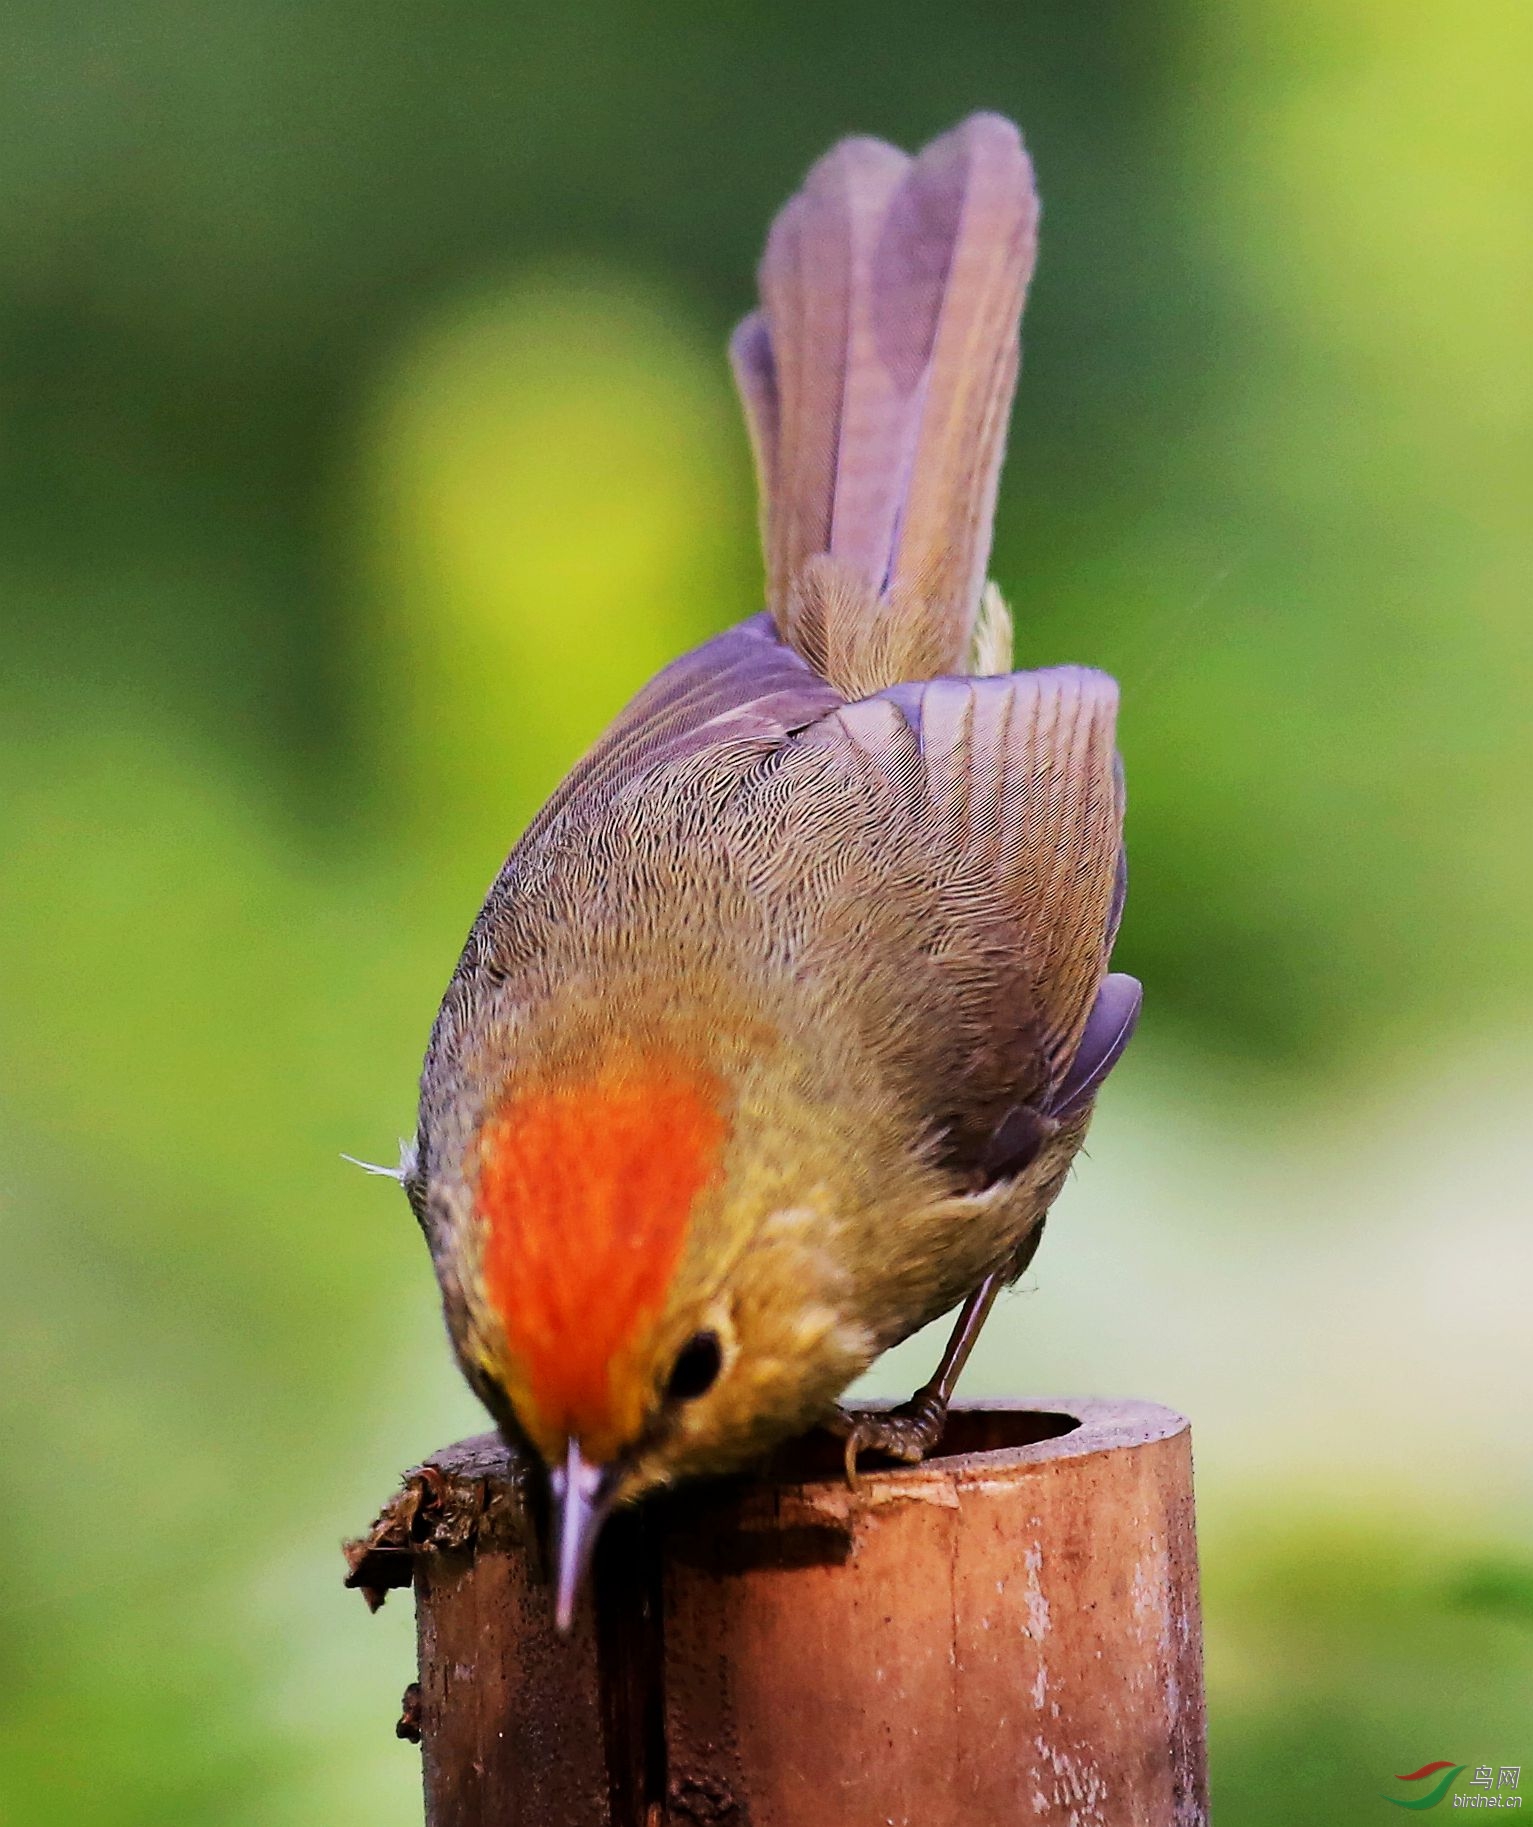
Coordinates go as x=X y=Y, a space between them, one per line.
x=640 y=1273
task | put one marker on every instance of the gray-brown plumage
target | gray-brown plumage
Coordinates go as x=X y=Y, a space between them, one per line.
x=780 y=1027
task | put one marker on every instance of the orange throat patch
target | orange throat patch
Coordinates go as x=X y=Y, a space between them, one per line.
x=586 y=1189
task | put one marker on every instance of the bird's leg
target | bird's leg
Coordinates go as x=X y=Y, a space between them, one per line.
x=910 y=1431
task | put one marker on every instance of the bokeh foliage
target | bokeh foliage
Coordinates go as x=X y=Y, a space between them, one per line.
x=365 y=438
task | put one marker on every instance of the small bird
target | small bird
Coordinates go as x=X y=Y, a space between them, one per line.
x=781 y=1026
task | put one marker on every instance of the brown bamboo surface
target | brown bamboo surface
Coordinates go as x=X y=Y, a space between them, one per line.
x=1009 y=1633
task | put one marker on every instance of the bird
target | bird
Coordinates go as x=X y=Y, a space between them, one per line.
x=780 y=1028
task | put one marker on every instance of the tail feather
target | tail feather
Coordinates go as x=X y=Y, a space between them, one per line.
x=750 y=356
x=976 y=186
x=833 y=397
x=878 y=378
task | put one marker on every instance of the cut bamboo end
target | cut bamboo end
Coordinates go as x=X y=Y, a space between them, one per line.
x=1007 y=1633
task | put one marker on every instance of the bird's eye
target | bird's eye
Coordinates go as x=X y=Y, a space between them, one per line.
x=696 y=1369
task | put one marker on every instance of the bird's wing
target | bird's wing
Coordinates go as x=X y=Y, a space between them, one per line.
x=969 y=831
x=727 y=704
x=1024 y=785
x=744 y=684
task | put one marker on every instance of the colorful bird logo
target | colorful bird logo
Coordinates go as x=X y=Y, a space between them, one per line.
x=1436 y=1793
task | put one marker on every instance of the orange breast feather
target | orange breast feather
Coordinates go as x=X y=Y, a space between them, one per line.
x=586 y=1189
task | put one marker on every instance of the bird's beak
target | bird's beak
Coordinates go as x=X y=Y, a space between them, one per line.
x=583 y=1496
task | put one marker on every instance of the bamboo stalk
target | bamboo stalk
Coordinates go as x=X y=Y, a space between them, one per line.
x=1008 y=1633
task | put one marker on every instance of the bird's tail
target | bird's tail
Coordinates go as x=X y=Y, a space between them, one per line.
x=877 y=378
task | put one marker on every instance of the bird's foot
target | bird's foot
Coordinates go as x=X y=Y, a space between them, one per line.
x=908 y=1432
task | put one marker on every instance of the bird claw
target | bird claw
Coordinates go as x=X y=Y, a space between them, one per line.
x=907 y=1433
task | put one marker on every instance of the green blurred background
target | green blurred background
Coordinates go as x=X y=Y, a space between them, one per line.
x=365 y=439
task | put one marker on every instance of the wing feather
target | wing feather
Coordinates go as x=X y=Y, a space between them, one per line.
x=743 y=684
x=950 y=853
